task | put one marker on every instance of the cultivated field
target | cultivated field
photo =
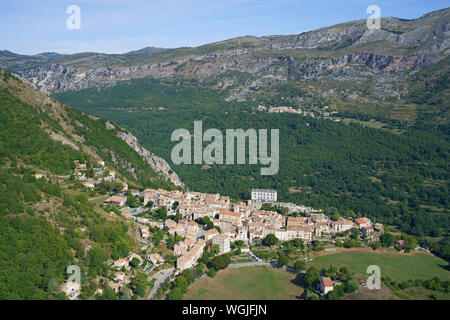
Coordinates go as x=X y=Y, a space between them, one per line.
x=399 y=266
x=259 y=283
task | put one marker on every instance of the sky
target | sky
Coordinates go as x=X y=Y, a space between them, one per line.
x=118 y=26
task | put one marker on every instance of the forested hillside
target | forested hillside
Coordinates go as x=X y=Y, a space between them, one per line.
x=46 y=222
x=396 y=174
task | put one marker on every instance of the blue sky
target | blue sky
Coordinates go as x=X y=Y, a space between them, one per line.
x=117 y=26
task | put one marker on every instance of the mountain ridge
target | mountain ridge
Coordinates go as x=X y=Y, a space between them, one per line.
x=324 y=54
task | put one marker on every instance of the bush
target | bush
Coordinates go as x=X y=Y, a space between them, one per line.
x=212 y=272
x=220 y=262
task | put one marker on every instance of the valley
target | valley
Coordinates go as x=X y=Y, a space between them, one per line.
x=88 y=181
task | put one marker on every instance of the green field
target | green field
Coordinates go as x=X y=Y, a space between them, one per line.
x=395 y=265
x=259 y=283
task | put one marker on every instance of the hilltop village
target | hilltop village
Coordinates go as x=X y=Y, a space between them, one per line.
x=244 y=221
x=196 y=222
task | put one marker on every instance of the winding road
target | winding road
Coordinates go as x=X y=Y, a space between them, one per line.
x=160 y=277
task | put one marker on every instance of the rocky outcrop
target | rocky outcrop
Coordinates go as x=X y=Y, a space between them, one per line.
x=156 y=163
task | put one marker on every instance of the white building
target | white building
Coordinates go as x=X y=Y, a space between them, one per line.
x=223 y=241
x=119 y=276
x=121 y=263
x=363 y=222
x=342 y=225
x=326 y=285
x=88 y=185
x=264 y=195
x=189 y=259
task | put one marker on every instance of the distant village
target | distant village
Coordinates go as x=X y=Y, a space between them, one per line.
x=314 y=112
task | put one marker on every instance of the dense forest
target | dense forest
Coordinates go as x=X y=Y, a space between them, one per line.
x=44 y=225
x=398 y=177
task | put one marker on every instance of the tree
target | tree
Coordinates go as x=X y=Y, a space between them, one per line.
x=344 y=274
x=182 y=283
x=108 y=294
x=332 y=270
x=132 y=202
x=270 y=240
x=268 y=207
x=283 y=260
x=311 y=277
x=298 y=243
x=239 y=243
x=299 y=265
x=189 y=275
x=375 y=245
x=215 y=248
x=335 y=216
x=410 y=243
x=351 y=286
x=177 y=217
x=220 y=262
x=139 y=283
x=125 y=295
x=387 y=240
x=330 y=211
x=176 y=294
x=135 y=262
x=200 y=269
x=205 y=221
x=354 y=233
x=316 y=245
x=96 y=257
x=212 y=272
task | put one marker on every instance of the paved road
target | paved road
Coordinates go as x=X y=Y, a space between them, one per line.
x=160 y=276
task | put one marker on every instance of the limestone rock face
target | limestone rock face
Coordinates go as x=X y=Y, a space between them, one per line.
x=156 y=163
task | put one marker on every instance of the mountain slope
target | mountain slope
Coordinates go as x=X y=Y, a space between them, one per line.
x=344 y=52
x=47 y=220
x=97 y=137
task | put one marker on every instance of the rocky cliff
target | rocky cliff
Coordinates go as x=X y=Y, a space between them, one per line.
x=156 y=163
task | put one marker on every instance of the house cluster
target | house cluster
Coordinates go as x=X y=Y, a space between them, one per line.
x=71 y=289
x=240 y=221
x=123 y=274
x=314 y=112
x=101 y=173
x=290 y=110
x=189 y=259
x=237 y=221
x=365 y=225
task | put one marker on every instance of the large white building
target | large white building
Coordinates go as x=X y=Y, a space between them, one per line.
x=264 y=195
